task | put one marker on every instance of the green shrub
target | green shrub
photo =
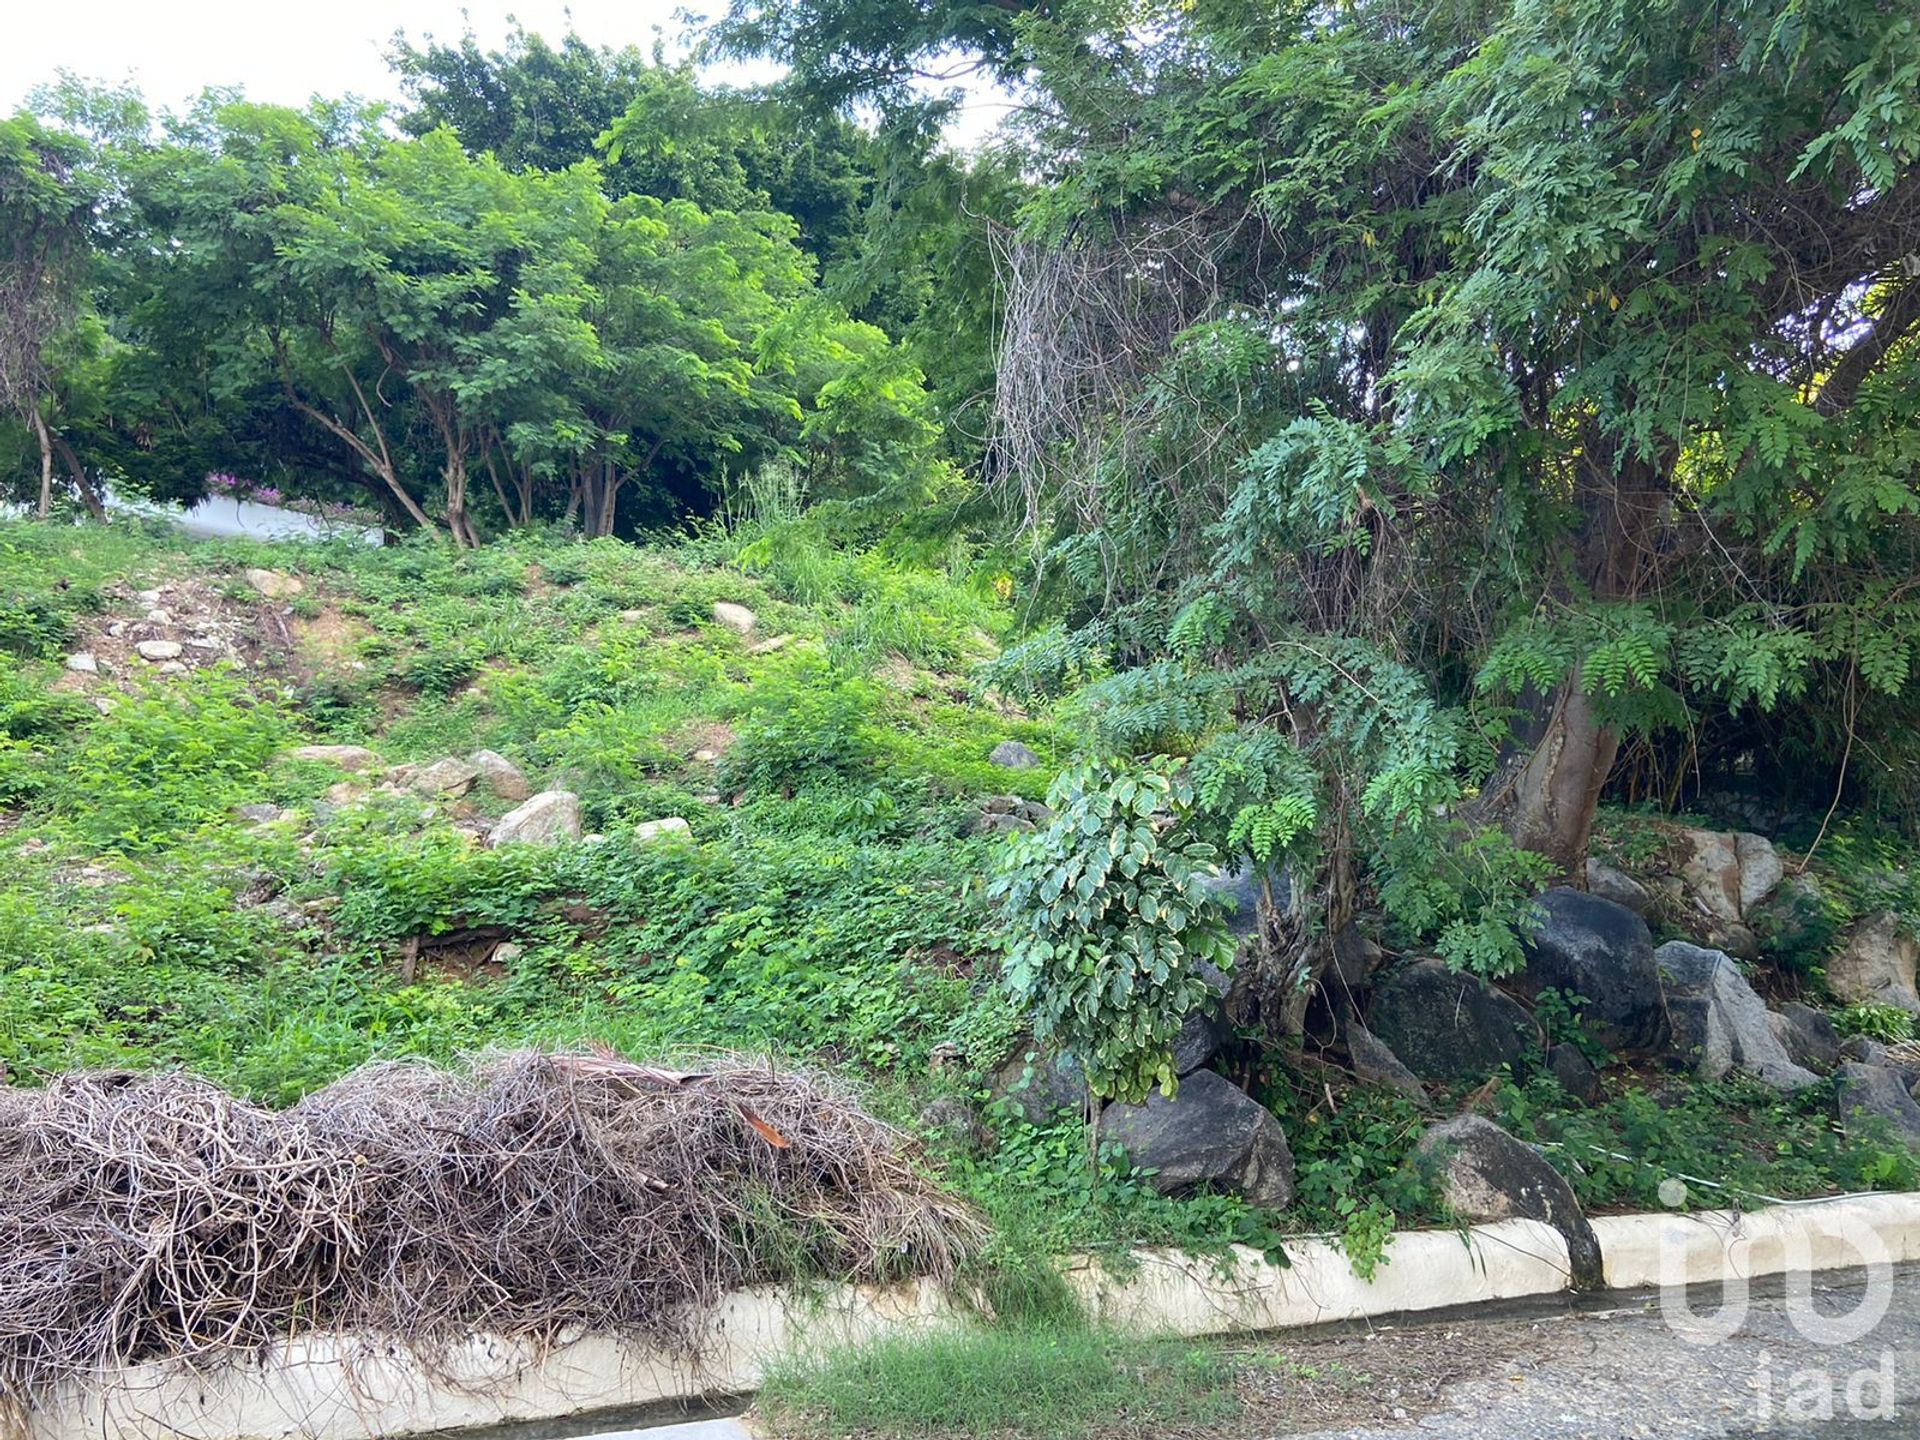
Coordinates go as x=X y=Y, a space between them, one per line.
x=807 y=724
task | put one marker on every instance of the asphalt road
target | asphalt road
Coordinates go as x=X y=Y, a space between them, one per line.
x=1622 y=1373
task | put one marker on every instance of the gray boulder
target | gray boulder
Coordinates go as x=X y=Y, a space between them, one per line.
x=1591 y=947
x=1239 y=892
x=1206 y=1030
x=1355 y=957
x=1878 y=1091
x=1209 y=1133
x=1862 y=1051
x=1808 y=1035
x=1618 y=886
x=1012 y=755
x=1485 y=1174
x=1039 y=1085
x=1376 y=1064
x=1574 y=1072
x=1449 y=1027
x=1716 y=1013
x=1876 y=965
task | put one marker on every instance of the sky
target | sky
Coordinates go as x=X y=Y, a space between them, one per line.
x=281 y=53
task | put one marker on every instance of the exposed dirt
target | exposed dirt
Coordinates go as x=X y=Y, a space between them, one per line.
x=193 y=624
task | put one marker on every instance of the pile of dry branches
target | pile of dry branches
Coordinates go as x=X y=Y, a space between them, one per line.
x=144 y=1216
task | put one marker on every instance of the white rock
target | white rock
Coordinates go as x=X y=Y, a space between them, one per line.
x=769 y=645
x=341 y=757
x=547 y=819
x=1877 y=965
x=158 y=650
x=202 y=642
x=448 y=777
x=83 y=663
x=159 y=617
x=170 y=667
x=148 y=598
x=706 y=757
x=274 y=585
x=653 y=829
x=737 y=618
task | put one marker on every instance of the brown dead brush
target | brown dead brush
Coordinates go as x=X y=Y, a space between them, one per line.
x=527 y=1195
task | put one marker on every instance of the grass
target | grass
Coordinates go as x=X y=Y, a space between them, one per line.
x=1001 y=1384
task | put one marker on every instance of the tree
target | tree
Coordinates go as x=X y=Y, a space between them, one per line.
x=45 y=233
x=1422 y=400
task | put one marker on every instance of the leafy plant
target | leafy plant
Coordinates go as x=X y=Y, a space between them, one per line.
x=1110 y=923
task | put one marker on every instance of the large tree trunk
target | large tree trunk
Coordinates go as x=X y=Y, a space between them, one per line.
x=46 y=461
x=1624 y=502
x=89 y=497
x=1558 y=789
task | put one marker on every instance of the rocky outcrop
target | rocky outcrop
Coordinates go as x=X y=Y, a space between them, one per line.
x=548 y=818
x=1449 y=1027
x=1205 y=1031
x=447 y=778
x=1808 y=1035
x=1012 y=755
x=737 y=618
x=1039 y=1086
x=1010 y=815
x=273 y=585
x=1880 y=1092
x=504 y=779
x=1575 y=1073
x=1209 y=1133
x=1602 y=952
x=1876 y=965
x=1719 y=1022
x=352 y=758
x=1374 y=1063
x=1485 y=1174
x=667 y=827
x=1618 y=886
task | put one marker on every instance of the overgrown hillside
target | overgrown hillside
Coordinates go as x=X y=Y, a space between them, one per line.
x=252 y=801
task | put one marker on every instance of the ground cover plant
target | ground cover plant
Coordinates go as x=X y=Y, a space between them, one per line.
x=828 y=903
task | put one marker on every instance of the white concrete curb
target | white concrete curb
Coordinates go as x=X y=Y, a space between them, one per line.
x=350 y=1388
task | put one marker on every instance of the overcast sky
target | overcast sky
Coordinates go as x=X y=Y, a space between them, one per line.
x=282 y=53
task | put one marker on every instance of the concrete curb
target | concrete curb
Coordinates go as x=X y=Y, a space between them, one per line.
x=347 y=1388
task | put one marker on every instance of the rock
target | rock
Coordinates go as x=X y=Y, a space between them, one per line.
x=1210 y=1132
x=449 y=777
x=1808 y=1036
x=274 y=585
x=1796 y=920
x=771 y=644
x=1038 y=1086
x=1375 y=1063
x=170 y=667
x=1355 y=957
x=737 y=618
x=955 y=1121
x=1574 y=1072
x=1012 y=755
x=1240 y=890
x=261 y=814
x=1618 y=886
x=159 y=617
x=1876 y=965
x=548 y=818
x=1691 y=975
x=1724 y=875
x=353 y=758
x=500 y=775
x=155 y=651
x=1449 y=1027
x=1761 y=870
x=1205 y=1031
x=345 y=792
x=1862 y=1051
x=83 y=663
x=1879 y=1091
x=1485 y=1174
x=1592 y=947
x=656 y=829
